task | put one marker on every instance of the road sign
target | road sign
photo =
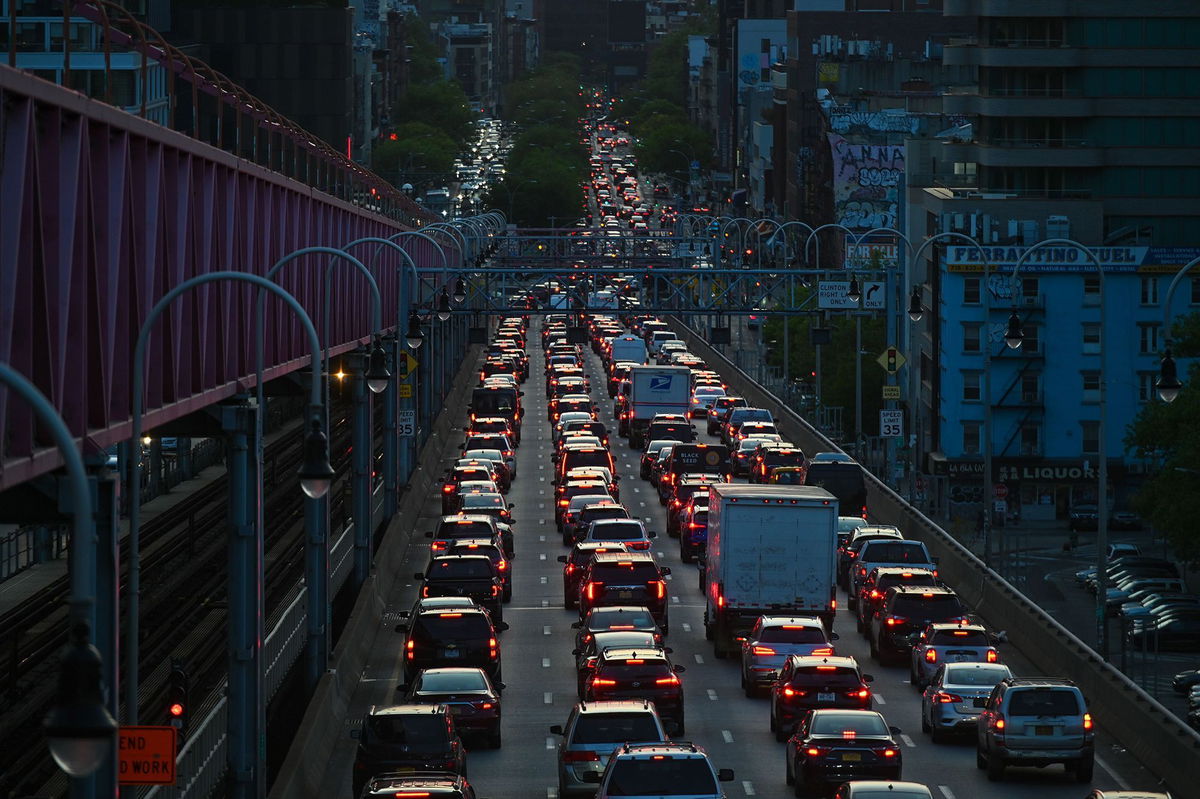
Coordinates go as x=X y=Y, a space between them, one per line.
x=891 y=423
x=406 y=391
x=147 y=756
x=408 y=365
x=1000 y=491
x=406 y=424
x=832 y=294
x=891 y=392
x=874 y=295
x=891 y=360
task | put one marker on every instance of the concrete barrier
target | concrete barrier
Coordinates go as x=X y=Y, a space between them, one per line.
x=324 y=723
x=1160 y=740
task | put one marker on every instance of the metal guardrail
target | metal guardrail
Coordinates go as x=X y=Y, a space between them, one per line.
x=200 y=767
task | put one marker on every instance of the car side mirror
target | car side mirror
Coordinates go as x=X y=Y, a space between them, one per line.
x=512 y=505
x=591 y=776
x=576 y=651
x=679 y=669
x=664 y=571
x=834 y=637
x=521 y=394
x=741 y=639
x=1000 y=637
x=556 y=729
x=895 y=730
x=501 y=626
x=500 y=686
x=651 y=534
x=868 y=678
x=554 y=482
x=356 y=734
x=575 y=625
x=562 y=558
x=936 y=561
x=418 y=575
x=725 y=774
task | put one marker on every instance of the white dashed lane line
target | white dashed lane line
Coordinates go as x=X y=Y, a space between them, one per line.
x=543 y=579
x=748 y=787
x=946 y=792
x=541 y=556
x=712 y=695
x=551 y=743
x=699 y=658
x=546 y=630
x=727 y=736
x=548 y=698
x=687 y=628
x=880 y=699
x=545 y=663
x=907 y=741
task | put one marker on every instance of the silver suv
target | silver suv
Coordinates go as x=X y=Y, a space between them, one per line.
x=949 y=643
x=592 y=732
x=957 y=695
x=1036 y=722
x=655 y=771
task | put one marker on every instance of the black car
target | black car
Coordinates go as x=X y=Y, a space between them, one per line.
x=472 y=699
x=587 y=655
x=632 y=673
x=617 y=617
x=458 y=637
x=845 y=480
x=809 y=682
x=406 y=737
x=835 y=746
x=905 y=612
x=473 y=576
x=577 y=562
x=626 y=578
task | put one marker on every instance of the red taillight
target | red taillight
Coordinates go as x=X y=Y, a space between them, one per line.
x=671 y=680
x=602 y=682
x=861 y=693
x=487 y=706
x=408 y=649
x=813 y=751
x=658 y=586
x=570 y=568
x=424 y=590
x=448 y=487
x=825 y=650
x=591 y=590
x=1087 y=721
x=493 y=649
x=998 y=723
x=864 y=511
x=495 y=590
x=586 y=756
x=931 y=656
x=993 y=656
x=889 y=752
x=943 y=698
x=789 y=692
x=502 y=566
x=874 y=594
x=763 y=650
x=892 y=621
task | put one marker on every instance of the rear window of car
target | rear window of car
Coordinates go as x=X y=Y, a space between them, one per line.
x=611 y=728
x=415 y=728
x=671 y=429
x=625 y=572
x=829 y=675
x=886 y=581
x=456 y=569
x=669 y=776
x=1043 y=702
x=960 y=637
x=460 y=680
x=606 y=512
x=573 y=459
x=489 y=401
x=894 y=552
x=464 y=529
x=617 y=531
x=934 y=607
x=451 y=626
x=688 y=490
x=750 y=415
x=839 y=723
x=641 y=669
x=792 y=634
x=474 y=501
x=605 y=619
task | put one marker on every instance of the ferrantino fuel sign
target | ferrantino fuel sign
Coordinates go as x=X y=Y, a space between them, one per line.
x=147 y=756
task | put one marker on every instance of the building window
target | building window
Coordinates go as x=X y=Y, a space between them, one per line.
x=1031 y=439
x=1091 y=338
x=971 y=392
x=1195 y=294
x=1091 y=290
x=1031 y=388
x=1148 y=337
x=971 y=331
x=1091 y=437
x=1091 y=386
x=1032 y=343
x=1146 y=390
x=971 y=440
x=971 y=291
x=1030 y=287
x=1149 y=291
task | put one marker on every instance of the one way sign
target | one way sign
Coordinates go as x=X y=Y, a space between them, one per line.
x=874 y=295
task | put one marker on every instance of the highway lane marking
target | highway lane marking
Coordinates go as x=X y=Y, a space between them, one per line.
x=727 y=735
x=946 y=792
x=712 y=695
x=542 y=521
x=748 y=787
x=637 y=490
x=543 y=580
x=545 y=663
x=546 y=630
x=548 y=698
x=545 y=603
x=541 y=506
x=543 y=479
x=675 y=600
x=907 y=741
x=542 y=539
x=687 y=628
x=699 y=658
x=880 y=699
x=541 y=556
x=1124 y=785
x=551 y=793
x=551 y=743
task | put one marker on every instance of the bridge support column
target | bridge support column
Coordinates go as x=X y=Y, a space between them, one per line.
x=360 y=463
x=246 y=754
x=104 y=484
x=425 y=372
x=316 y=579
x=390 y=443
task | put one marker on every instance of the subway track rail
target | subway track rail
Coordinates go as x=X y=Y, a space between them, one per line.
x=184 y=565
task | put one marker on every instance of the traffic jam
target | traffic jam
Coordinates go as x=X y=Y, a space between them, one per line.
x=689 y=538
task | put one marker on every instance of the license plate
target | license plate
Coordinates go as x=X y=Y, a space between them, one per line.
x=1043 y=730
x=451 y=654
x=403 y=769
x=958 y=658
x=980 y=702
x=624 y=595
x=827 y=698
x=851 y=757
x=456 y=710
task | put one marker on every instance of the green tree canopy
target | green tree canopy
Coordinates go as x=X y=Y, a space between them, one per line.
x=421 y=154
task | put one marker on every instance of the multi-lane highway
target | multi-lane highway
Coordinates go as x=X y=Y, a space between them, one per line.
x=539 y=667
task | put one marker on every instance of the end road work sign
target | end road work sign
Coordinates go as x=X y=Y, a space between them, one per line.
x=147 y=756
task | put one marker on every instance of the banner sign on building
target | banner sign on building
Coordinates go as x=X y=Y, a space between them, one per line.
x=866 y=182
x=1055 y=258
x=877 y=246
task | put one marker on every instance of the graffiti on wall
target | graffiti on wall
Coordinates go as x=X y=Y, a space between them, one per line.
x=866 y=182
x=873 y=121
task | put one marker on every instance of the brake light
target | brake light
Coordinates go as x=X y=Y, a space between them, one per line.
x=487 y=706
x=992 y=656
x=931 y=656
x=833 y=603
x=570 y=568
x=493 y=649
x=408 y=649
x=944 y=698
x=720 y=600
x=602 y=681
x=827 y=668
x=564 y=502
x=1087 y=721
x=424 y=590
x=813 y=751
x=892 y=621
x=495 y=590
x=671 y=680
x=998 y=723
x=659 y=587
x=591 y=590
x=586 y=756
x=864 y=511
x=861 y=693
x=762 y=650
x=825 y=650
x=438 y=545
x=448 y=487
x=889 y=752
x=789 y=692
x=874 y=594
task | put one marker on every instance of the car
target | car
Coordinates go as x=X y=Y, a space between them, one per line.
x=941 y=643
x=703 y=398
x=472 y=698
x=625 y=578
x=433 y=785
x=844 y=479
x=772 y=640
x=955 y=695
x=494 y=550
x=847 y=554
x=615 y=618
x=473 y=576
x=487 y=504
x=575 y=505
x=873 y=589
x=595 y=490
x=904 y=612
x=494 y=424
x=660 y=771
x=743 y=454
x=1179 y=632
x=1082 y=518
x=454 y=527
x=688 y=488
x=1036 y=722
x=459 y=475
x=808 y=682
x=497 y=441
x=452 y=637
x=767 y=459
x=693 y=530
x=589 y=653
x=1185 y=681
x=630 y=532
x=830 y=747
x=884 y=552
x=601 y=473
x=719 y=406
x=1098 y=794
x=385 y=740
x=882 y=789
x=1125 y=520
x=735 y=416
x=496 y=457
x=639 y=673
x=592 y=732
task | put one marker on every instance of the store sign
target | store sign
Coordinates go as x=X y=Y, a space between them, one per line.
x=1065 y=258
x=1011 y=470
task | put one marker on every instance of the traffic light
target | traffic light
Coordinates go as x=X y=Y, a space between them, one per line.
x=178 y=706
x=892 y=366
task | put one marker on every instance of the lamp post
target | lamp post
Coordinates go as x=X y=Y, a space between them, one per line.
x=80 y=730
x=1014 y=338
x=246 y=720
x=1167 y=384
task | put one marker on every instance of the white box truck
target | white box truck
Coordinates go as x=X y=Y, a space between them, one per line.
x=652 y=390
x=629 y=348
x=771 y=549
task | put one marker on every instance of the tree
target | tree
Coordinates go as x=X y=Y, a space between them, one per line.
x=442 y=104
x=420 y=154
x=1167 y=434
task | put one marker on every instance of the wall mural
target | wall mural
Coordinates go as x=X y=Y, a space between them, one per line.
x=866 y=182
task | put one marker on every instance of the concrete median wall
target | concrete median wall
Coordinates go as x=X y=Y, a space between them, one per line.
x=1161 y=741
x=324 y=724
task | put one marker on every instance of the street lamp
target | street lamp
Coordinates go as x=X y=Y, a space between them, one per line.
x=1014 y=335
x=854 y=293
x=79 y=729
x=1168 y=384
x=316 y=474
x=460 y=291
x=915 y=311
x=443 y=305
x=378 y=373
x=414 y=337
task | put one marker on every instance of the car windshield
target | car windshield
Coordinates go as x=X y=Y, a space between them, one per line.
x=607 y=619
x=469 y=568
x=838 y=724
x=612 y=728
x=933 y=607
x=840 y=676
x=792 y=634
x=421 y=728
x=1043 y=702
x=465 y=528
x=983 y=677
x=669 y=776
x=617 y=530
x=472 y=501
x=464 y=680
x=895 y=552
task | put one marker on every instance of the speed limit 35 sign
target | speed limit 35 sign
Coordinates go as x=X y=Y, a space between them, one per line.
x=891 y=423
